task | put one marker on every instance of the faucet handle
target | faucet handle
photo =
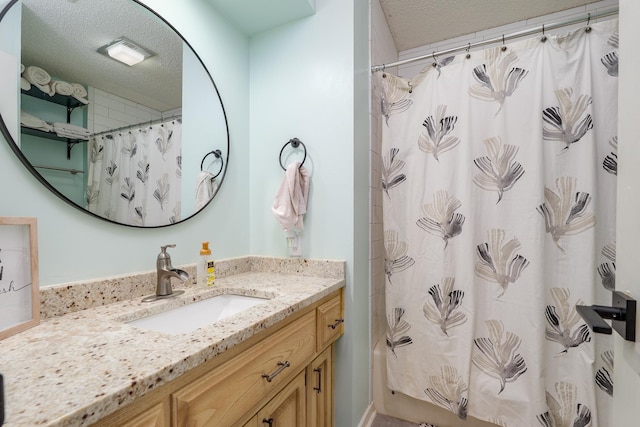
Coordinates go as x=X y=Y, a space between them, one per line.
x=163 y=251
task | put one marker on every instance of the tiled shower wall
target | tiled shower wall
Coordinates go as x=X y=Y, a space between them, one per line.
x=108 y=111
x=383 y=51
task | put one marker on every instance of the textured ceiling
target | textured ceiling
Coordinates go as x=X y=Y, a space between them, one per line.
x=62 y=37
x=415 y=23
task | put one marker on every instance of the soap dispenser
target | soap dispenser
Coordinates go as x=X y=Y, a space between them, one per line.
x=206 y=267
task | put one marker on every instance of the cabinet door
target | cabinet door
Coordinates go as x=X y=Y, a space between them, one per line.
x=253 y=422
x=287 y=408
x=151 y=415
x=156 y=416
x=320 y=390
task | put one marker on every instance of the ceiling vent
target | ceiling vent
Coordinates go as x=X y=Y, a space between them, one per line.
x=126 y=51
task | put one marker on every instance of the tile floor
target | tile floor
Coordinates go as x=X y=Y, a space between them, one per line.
x=386 y=421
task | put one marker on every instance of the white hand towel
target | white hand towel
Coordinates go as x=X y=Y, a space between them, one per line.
x=290 y=203
x=206 y=187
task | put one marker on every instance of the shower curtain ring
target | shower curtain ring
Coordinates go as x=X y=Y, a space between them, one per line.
x=410 y=87
x=588 y=29
x=503 y=46
x=468 y=48
x=544 y=37
x=435 y=60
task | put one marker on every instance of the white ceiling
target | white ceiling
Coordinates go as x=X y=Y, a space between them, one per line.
x=415 y=23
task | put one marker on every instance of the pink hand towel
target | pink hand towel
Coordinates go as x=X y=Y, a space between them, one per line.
x=290 y=203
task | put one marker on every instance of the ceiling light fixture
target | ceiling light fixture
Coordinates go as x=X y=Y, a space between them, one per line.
x=125 y=51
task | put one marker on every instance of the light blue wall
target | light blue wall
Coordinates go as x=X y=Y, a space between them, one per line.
x=73 y=246
x=303 y=84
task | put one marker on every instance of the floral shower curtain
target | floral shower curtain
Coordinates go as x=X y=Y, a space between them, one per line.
x=499 y=179
x=134 y=175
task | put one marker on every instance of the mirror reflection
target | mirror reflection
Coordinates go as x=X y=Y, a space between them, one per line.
x=117 y=114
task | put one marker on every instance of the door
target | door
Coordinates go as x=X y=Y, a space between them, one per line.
x=626 y=381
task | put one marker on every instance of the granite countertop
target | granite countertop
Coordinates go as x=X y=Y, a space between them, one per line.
x=76 y=368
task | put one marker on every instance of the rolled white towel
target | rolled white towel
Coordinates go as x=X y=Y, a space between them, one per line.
x=38 y=77
x=79 y=93
x=24 y=84
x=62 y=88
x=21 y=68
x=31 y=121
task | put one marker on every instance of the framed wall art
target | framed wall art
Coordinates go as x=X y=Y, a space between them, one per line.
x=19 y=286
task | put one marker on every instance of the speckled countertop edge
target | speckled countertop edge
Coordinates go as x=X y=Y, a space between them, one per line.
x=76 y=368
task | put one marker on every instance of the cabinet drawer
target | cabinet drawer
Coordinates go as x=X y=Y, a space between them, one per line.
x=330 y=323
x=222 y=396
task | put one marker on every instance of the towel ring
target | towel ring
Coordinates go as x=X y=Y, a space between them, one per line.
x=218 y=155
x=295 y=143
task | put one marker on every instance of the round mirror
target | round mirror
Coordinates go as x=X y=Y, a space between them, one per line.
x=111 y=109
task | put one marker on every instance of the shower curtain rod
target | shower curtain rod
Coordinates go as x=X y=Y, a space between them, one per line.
x=540 y=29
x=149 y=123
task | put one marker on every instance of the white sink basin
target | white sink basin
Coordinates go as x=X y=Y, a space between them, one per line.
x=192 y=316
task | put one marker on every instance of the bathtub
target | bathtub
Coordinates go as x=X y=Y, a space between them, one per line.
x=401 y=406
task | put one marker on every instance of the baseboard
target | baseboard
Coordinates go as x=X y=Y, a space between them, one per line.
x=368 y=416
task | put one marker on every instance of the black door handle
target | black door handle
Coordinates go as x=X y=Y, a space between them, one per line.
x=622 y=314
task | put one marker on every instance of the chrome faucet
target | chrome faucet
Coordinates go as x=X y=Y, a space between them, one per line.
x=165 y=272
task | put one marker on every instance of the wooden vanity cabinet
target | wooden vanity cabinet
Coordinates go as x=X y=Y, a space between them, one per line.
x=282 y=378
x=228 y=392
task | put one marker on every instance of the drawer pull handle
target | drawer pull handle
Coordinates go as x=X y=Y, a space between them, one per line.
x=335 y=325
x=319 y=388
x=282 y=366
x=268 y=421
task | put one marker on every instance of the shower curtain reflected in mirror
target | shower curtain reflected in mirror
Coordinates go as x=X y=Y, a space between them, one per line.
x=499 y=178
x=134 y=174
